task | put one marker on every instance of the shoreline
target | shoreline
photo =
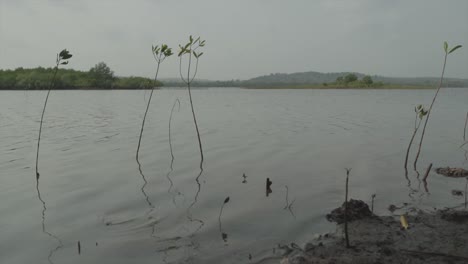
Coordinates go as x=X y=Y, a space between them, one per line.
x=439 y=236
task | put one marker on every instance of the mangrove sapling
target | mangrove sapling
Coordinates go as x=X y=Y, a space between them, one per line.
x=159 y=54
x=190 y=49
x=447 y=52
x=346 y=209
x=62 y=59
x=420 y=113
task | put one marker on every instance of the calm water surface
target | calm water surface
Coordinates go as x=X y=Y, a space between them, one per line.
x=301 y=139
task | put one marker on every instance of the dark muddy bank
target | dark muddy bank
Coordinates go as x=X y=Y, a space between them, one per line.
x=440 y=236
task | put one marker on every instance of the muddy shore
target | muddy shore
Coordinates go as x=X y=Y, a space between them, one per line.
x=440 y=236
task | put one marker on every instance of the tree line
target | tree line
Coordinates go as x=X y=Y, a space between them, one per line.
x=98 y=77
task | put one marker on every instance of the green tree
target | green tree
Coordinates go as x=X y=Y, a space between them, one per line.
x=101 y=76
x=350 y=78
x=367 y=80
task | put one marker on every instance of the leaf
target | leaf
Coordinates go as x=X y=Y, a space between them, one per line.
x=445 y=46
x=191 y=38
x=181 y=52
x=63 y=52
x=199 y=55
x=226 y=200
x=455 y=48
x=64 y=63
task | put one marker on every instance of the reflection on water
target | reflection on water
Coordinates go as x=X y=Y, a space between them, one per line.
x=251 y=138
x=43 y=222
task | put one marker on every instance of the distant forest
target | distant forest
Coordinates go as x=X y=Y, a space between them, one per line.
x=98 y=77
x=102 y=77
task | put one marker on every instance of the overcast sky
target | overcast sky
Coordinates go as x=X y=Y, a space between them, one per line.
x=244 y=38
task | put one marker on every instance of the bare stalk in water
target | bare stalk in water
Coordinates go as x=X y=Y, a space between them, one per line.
x=346 y=210
x=191 y=48
x=464 y=130
x=62 y=59
x=447 y=52
x=420 y=113
x=159 y=54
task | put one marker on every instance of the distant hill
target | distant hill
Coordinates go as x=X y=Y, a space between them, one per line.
x=314 y=78
x=303 y=78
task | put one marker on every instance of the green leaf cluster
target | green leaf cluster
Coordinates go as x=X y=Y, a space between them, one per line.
x=191 y=47
x=452 y=49
x=420 y=111
x=63 y=56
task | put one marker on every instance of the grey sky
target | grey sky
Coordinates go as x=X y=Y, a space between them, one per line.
x=245 y=38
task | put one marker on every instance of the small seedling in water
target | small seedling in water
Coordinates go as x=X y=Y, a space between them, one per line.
x=62 y=59
x=159 y=54
x=190 y=49
x=447 y=52
x=420 y=114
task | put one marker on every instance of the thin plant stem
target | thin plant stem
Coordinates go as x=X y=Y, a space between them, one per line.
x=464 y=130
x=147 y=108
x=429 y=112
x=193 y=110
x=346 y=210
x=416 y=128
x=42 y=119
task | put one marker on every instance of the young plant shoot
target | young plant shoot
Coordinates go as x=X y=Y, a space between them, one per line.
x=447 y=52
x=62 y=59
x=190 y=49
x=159 y=54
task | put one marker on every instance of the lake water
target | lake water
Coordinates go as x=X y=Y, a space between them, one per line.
x=301 y=139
